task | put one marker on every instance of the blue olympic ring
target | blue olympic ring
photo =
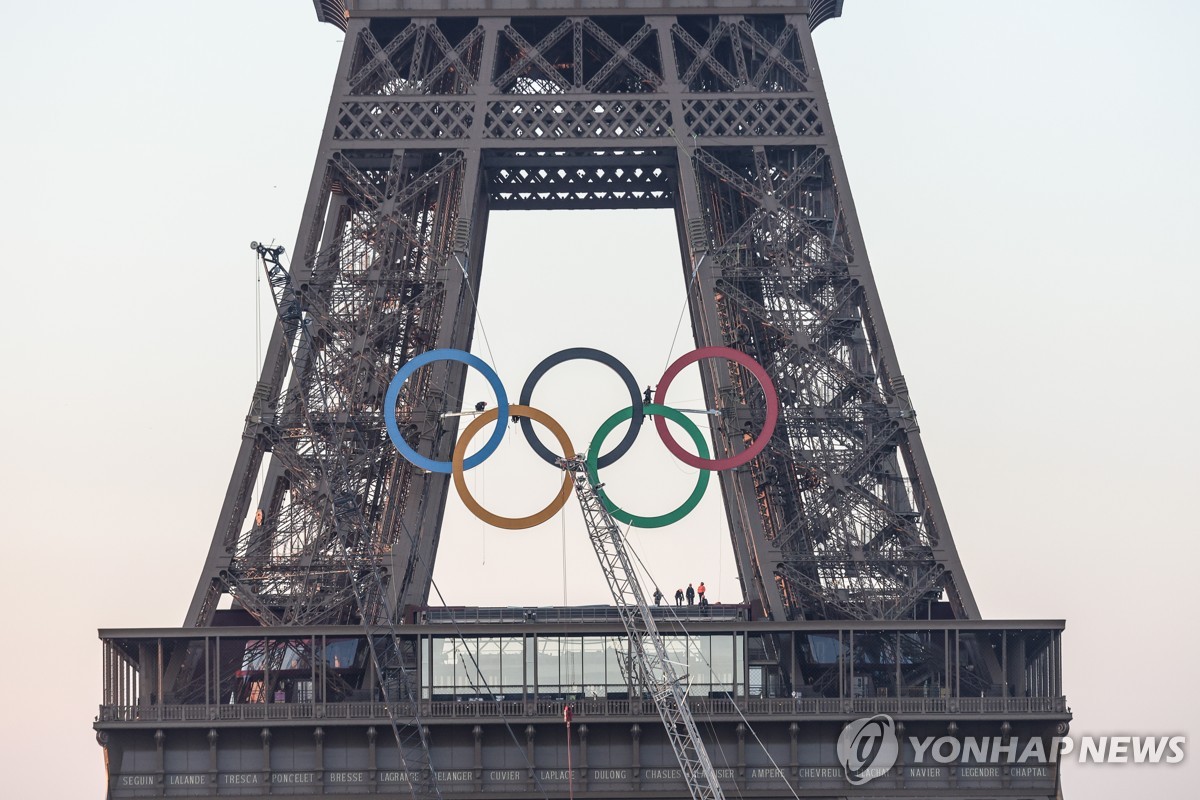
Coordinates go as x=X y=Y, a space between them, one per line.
x=393 y=394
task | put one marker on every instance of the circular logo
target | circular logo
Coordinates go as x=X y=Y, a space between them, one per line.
x=640 y=407
x=868 y=748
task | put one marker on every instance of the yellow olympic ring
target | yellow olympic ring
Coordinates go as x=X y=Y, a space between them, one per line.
x=460 y=482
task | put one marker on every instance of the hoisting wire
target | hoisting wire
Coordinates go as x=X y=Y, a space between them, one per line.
x=679 y=322
x=462 y=265
x=482 y=495
x=720 y=553
x=754 y=733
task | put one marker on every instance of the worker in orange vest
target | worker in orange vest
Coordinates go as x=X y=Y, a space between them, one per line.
x=700 y=591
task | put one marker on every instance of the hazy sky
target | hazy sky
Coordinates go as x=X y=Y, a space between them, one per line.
x=1026 y=178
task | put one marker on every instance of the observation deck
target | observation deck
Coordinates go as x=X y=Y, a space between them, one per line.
x=298 y=710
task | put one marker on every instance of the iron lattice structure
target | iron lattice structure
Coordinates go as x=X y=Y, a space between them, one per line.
x=718 y=113
x=331 y=674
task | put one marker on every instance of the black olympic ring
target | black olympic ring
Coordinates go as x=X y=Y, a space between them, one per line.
x=587 y=354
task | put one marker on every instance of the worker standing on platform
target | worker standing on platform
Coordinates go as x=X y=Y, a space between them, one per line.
x=679 y=597
x=691 y=595
x=700 y=591
x=658 y=595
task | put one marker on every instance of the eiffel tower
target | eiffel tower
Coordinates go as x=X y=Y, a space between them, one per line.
x=311 y=660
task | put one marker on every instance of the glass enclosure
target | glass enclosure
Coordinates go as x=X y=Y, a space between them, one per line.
x=571 y=667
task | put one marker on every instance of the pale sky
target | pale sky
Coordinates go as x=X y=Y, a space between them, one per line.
x=1026 y=179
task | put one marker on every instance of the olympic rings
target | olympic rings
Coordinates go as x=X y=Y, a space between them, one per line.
x=589 y=354
x=393 y=392
x=460 y=483
x=760 y=441
x=661 y=520
x=635 y=412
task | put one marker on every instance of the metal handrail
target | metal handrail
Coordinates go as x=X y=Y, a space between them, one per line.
x=503 y=709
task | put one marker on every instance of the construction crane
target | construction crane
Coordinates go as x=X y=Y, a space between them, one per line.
x=348 y=529
x=657 y=671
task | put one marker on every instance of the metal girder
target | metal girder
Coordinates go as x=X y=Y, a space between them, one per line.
x=339 y=12
x=573 y=179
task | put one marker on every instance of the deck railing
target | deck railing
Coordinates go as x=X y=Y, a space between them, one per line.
x=584 y=708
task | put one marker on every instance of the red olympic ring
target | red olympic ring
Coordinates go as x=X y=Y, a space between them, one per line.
x=760 y=441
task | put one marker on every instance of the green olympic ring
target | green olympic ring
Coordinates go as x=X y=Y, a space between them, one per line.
x=662 y=520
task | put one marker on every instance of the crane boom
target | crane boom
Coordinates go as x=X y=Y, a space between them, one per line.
x=657 y=671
